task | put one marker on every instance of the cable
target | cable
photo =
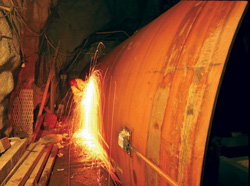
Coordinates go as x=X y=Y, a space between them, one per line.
x=5 y=8
x=61 y=53
x=112 y=32
x=27 y=27
x=25 y=24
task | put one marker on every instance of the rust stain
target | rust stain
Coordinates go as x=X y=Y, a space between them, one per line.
x=168 y=84
x=216 y=64
x=156 y=126
x=195 y=98
x=154 y=133
x=190 y=111
x=176 y=49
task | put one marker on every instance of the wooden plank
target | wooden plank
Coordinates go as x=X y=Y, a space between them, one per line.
x=11 y=157
x=52 y=93
x=19 y=163
x=47 y=170
x=23 y=172
x=39 y=122
x=4 y=144
x=13 y=140
x=39 y=167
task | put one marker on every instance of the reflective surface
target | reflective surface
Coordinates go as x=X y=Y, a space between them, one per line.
x=162 y=84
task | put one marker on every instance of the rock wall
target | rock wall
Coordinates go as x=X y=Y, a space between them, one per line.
x=9 y=61
x=21 y=23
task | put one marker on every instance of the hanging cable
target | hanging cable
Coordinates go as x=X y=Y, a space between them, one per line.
x=113 y=32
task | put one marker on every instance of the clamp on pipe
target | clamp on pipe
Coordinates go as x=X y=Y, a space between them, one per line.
x=124 y=140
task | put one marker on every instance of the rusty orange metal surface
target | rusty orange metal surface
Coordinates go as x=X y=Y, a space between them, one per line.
x=162 y=84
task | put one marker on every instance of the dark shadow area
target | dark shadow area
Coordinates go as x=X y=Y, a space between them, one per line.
x=230 y=125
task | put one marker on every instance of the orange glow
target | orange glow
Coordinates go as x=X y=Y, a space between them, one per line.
x=88 y=120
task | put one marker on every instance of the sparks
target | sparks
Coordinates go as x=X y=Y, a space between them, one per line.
x=90 y=120
x=88 y=128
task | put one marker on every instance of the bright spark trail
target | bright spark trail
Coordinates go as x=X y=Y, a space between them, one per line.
x=88 y=122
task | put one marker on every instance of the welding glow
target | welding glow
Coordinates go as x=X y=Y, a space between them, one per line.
x=90 y=118
x=89 y=121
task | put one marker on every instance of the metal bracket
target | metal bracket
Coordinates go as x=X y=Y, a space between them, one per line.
x=124 y=140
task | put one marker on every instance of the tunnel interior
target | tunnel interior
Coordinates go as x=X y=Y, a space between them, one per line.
x=77 y=35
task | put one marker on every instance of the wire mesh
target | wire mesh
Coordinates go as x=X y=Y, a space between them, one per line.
x=23 y=113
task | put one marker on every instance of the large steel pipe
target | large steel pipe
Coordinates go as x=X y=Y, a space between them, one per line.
x=162 y=84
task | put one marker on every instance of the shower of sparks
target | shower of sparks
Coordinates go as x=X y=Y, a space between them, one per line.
x=88 y=121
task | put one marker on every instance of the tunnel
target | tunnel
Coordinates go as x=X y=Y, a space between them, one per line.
x=125 y=93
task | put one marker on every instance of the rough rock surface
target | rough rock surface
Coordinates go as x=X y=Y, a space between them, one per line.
x=9 y=61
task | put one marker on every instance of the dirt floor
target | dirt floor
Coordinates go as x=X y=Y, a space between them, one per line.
x=70 y=167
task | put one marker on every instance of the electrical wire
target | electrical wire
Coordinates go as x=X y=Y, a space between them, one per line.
x=14 y=9
x=27 y=27
x=113 y=32
x=25 y=24
x=5 y=8
x=59 y=52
